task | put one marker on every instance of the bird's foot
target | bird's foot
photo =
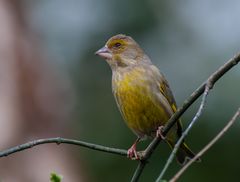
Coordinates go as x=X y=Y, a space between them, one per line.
x=159 y=133
x=132 y=152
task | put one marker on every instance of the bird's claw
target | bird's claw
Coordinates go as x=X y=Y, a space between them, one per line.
x=159 y=133
x=132 y=153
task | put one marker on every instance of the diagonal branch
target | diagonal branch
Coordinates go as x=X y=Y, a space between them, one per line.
x=187 y=103
x=209 y=145
x=185 y=133
x=58 y=141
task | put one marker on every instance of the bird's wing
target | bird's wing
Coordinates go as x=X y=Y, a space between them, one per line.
x=167 y=93
x=163 y=87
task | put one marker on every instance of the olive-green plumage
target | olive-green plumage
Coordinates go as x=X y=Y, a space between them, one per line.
x=141 y=91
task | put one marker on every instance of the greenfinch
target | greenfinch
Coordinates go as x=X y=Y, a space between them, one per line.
x=142 y=93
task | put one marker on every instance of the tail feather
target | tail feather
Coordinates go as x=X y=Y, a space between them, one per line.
x=184 y=153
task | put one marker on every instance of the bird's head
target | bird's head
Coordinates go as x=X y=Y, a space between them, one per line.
x=121 y=51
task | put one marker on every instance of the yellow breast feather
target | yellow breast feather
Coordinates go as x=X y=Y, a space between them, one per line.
x=140 y=108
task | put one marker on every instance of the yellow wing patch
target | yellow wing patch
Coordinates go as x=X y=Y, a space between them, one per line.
x=165 y=90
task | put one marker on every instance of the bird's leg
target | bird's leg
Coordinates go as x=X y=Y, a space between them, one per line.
x=159 y=133
x=132 y=152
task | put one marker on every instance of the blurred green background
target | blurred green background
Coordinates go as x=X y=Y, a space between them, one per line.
x=187 y=40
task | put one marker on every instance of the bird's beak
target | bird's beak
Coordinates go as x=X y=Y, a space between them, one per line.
x=104 y=53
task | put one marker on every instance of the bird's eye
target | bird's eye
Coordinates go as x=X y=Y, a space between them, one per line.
x=116 y=45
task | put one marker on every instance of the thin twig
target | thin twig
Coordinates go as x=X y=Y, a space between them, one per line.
x=186 y=104
x=139 y=169
x=142 y=163
x=206 y=148
x=185 y=133
x=59 y=140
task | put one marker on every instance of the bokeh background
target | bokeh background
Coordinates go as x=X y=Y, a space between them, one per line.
x=52 y=84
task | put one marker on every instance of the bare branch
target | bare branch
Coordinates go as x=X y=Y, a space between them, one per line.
x=209 y=145
x=138 y=171
x=59 y=140
x=185 y=133
x=187 y=103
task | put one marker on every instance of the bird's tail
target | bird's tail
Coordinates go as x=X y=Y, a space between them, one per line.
x=184 y=153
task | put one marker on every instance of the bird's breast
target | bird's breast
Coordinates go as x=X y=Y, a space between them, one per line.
x=134 y=93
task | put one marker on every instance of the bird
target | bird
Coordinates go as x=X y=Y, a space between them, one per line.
x=142 y=94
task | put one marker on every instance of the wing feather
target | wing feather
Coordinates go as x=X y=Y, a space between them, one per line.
x=165 y=90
